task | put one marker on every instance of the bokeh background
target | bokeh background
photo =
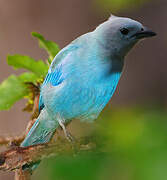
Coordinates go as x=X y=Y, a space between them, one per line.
x=132 y=130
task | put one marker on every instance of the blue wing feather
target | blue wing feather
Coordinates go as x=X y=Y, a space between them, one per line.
x=54 y=76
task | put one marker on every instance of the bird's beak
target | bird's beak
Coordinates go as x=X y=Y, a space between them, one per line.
x=144 y=33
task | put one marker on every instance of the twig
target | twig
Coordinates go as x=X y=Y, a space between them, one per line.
x=14 y=142
x=19 y=156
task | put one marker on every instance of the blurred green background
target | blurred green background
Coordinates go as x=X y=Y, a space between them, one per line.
x=131 y=145
x=131 y=133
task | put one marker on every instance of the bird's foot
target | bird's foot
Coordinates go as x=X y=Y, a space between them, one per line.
x=69 y=137
x=67 y=134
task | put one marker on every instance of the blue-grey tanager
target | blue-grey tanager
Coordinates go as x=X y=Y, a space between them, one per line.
x=83 y=76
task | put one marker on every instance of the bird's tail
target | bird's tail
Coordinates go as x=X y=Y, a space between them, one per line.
x=41 y=132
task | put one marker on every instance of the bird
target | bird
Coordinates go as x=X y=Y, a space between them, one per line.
x=83 y=77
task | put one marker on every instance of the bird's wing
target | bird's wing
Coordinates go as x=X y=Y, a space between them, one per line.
x=54 y=76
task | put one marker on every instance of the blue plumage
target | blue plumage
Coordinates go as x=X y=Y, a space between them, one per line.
x=83 y=77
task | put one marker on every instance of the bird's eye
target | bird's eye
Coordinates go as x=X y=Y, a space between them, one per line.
x=124 y=31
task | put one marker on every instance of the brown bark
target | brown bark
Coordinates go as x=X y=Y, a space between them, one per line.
x=13 y=159
x=22 y=175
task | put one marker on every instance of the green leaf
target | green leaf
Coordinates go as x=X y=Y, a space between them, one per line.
x=26 y=62
x=13 y=89
x=28 y=77
x=50 y=46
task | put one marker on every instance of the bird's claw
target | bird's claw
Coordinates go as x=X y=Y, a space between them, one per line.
x=69 y=137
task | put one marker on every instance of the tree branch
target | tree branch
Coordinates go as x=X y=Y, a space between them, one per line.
x=16 y=157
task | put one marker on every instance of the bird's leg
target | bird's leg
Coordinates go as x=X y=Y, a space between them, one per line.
x=67 y=134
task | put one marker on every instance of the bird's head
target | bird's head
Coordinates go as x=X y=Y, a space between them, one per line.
x=119 y=34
